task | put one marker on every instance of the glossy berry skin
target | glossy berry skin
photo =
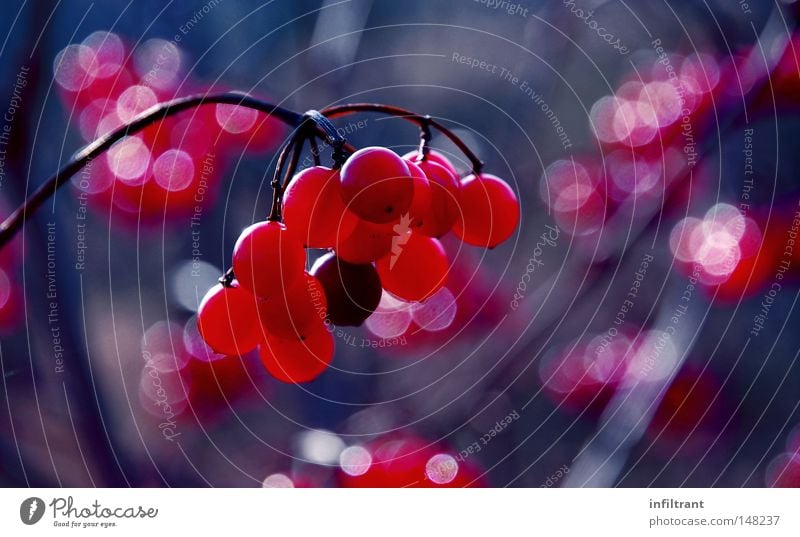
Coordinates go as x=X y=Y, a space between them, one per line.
x=377 y=185
x=268 y=259
x=415 y=268
x=421 y=203
x=228 y=320
x=367 y=243
x=298 y=359
x=313 y=208
x=489 y=211
x=433 y=156
x=443 y=209
x=352 y=291
x=289 y=313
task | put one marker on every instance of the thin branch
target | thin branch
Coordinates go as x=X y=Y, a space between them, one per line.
x=420 y=120
x=17 y=219
x=159 y=112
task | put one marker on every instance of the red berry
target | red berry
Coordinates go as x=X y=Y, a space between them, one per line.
x=288 y=314
x=489 y=211
x=352 y=291
x=313 y=207
x=298 y=359
x=433 y=156
x=214 y=386
x=228 y=321
x=377 y=185
x=415 y=269
x=268 y=259
x=367 y=243
x=420 y=204
x=443 y=210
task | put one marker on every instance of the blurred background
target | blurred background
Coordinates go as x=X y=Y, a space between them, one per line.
x=635 y=331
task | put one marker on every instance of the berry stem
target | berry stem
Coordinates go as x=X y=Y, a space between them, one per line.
x=227 y=279
x=420 y=120
x=323 y=128
x=425 y=136
x=17 y=219
x=332 y=136
x=297 y=149
x=277 y=187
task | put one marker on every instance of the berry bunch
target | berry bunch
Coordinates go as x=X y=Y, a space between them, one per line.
x=381 y=217
x=174 y=164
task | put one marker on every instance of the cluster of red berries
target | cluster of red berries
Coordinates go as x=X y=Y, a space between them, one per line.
x=173 y=165
x=381 y=216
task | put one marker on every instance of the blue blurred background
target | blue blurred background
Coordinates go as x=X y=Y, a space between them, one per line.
x=722 y=412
